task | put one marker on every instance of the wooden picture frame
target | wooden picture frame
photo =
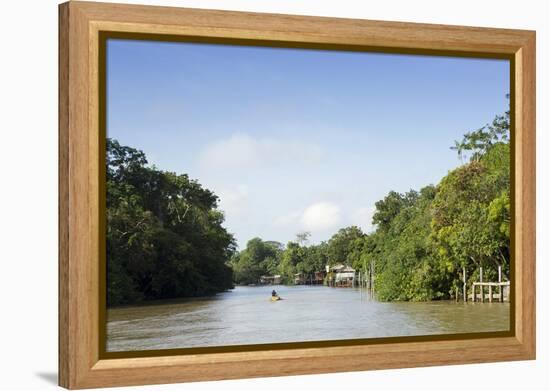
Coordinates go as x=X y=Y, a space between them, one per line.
x=81 y=24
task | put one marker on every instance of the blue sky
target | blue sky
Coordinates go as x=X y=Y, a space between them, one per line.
x=297 y=140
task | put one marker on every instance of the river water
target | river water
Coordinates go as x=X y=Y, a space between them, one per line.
x=245 y=315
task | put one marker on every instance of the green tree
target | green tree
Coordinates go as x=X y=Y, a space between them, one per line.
x=165 y=237
x=477 y=143
x=257 y=259
x=341 y=245
x=471 y=217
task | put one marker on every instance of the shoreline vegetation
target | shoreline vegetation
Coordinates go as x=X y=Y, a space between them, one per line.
x=165 y=238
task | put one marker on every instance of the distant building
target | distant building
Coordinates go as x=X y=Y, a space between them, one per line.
x=340 y=275
x=315 y=278
x=299 y=278
x=318 y=278
x=271 y=280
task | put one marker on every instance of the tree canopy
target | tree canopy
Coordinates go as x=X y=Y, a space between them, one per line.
x=165 y=237
x=424 y=239
x=164 y=233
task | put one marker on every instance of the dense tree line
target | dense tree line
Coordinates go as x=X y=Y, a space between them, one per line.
x=422 y=239
x=261 y=258
x=164 y=233
x=165 y=237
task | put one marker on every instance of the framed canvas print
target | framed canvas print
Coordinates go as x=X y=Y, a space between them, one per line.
x=246 y=195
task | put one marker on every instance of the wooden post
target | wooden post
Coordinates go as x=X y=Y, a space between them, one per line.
x=474 y=293
x=464 y=290
x=370 y=278
x=373 y=277
x=500 y=290
x=481 y=286
x=490 y=293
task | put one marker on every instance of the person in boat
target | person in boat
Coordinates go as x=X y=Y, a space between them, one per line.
x=273 y=293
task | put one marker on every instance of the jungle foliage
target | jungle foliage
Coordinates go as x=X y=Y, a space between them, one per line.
x=165 y=237
x=164 y=233
x=422 y=239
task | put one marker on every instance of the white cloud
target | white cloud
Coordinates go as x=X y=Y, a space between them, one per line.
x=241 y=151
x=321 y=216
x=288 y=219
x=362 y=217
x=233 y=200
x=317 y=217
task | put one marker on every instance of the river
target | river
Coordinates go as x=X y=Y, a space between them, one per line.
x=245 y=315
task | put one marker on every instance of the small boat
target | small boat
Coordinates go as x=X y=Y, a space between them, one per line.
x=275 y=298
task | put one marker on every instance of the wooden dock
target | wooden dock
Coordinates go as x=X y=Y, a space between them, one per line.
x=496 y=289
x=496 y=293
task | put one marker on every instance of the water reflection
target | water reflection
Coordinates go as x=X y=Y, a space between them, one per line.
x=246 y=315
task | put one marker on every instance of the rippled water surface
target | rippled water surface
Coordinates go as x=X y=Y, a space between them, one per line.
x=246 y=315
